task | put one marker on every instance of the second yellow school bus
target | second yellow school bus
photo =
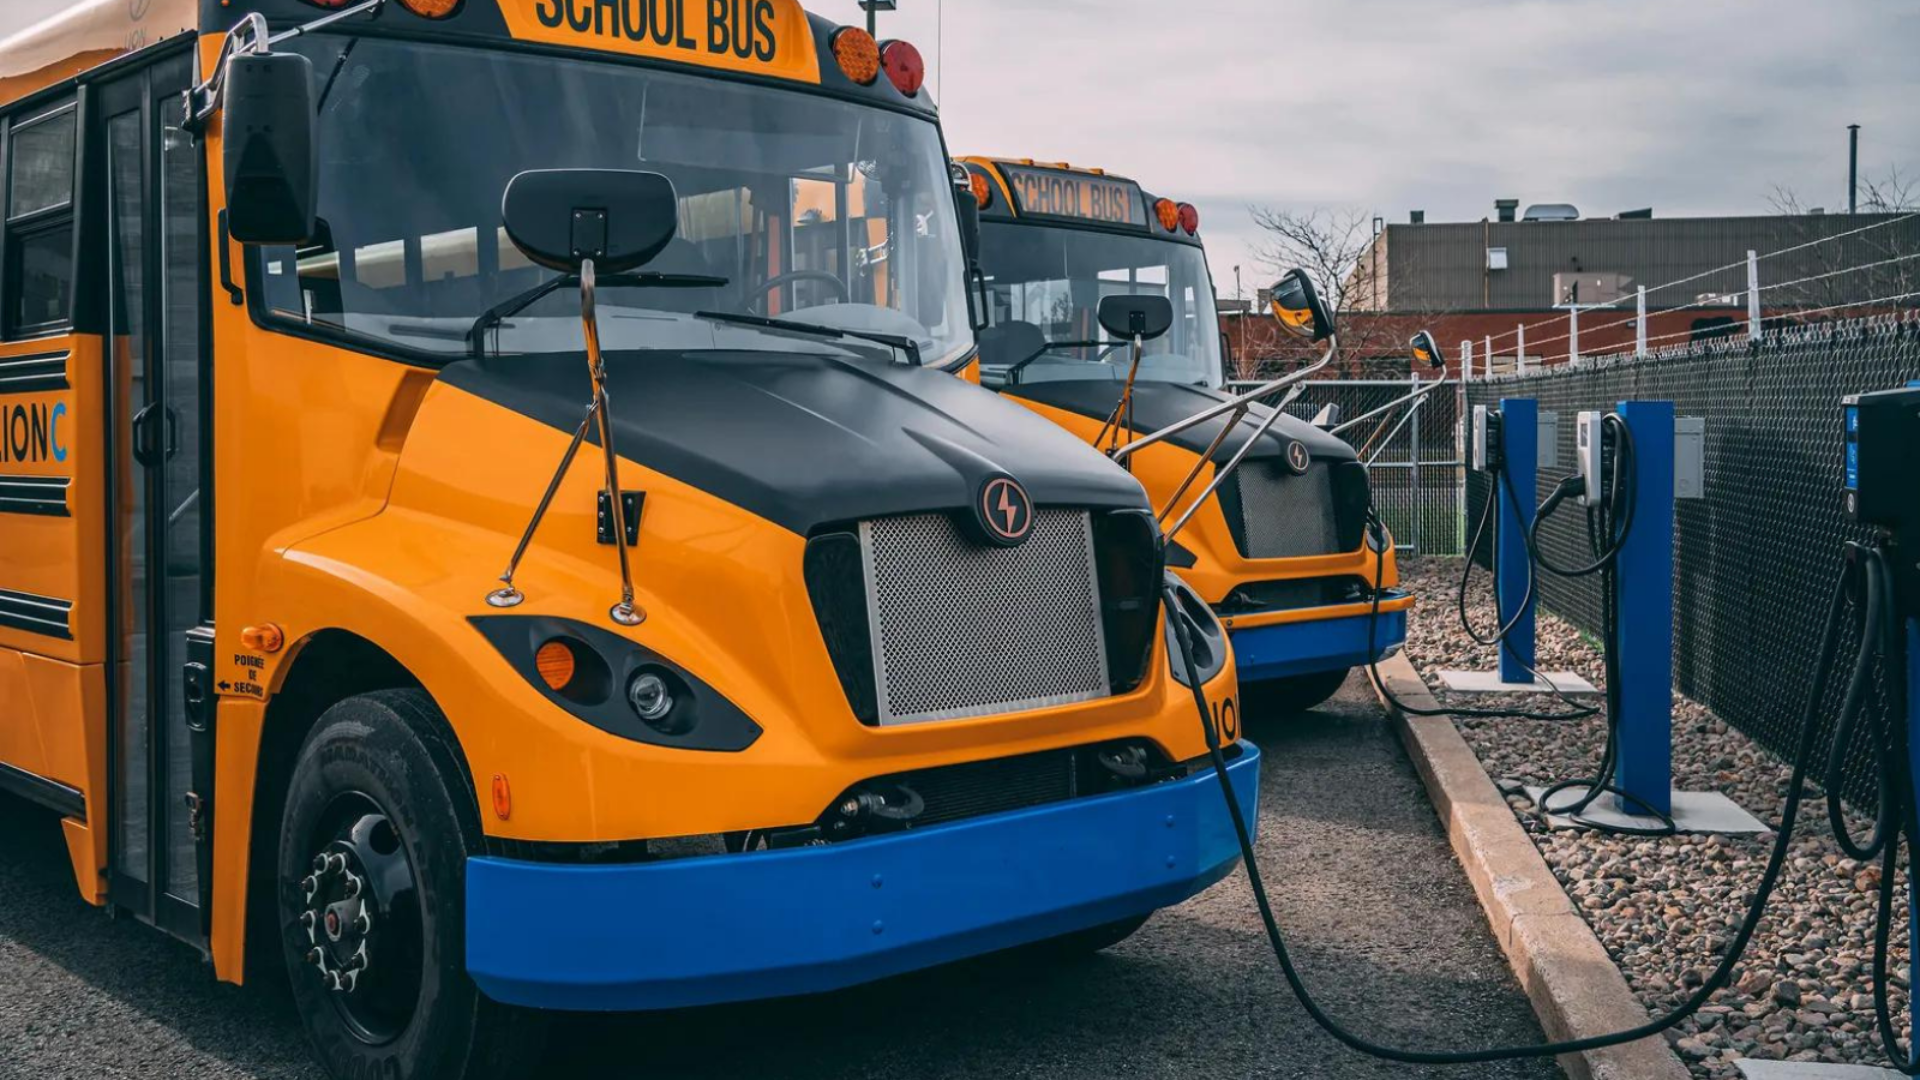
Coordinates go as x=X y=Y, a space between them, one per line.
x=1282 y=551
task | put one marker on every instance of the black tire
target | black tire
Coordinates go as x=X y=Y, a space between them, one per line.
x=1278 y=699
x=391 y=751
x=1091 y=940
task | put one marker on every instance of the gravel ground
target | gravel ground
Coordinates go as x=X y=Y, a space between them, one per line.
x=1403 y=956
x=1665 y=908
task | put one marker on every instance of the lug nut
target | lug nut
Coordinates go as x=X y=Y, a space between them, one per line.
x=353 y=886
x=363 y=923
x=307 y=919
x=352 y=980
x=309 y=884
x=313 y=956
x=320 y=864
x=333 y=980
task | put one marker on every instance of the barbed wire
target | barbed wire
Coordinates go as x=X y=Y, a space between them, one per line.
x=1689 y=279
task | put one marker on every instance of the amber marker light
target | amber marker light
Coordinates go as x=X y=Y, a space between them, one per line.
x=858 y=54
x=1168 y=212
x=555 y=664
x=432 y=9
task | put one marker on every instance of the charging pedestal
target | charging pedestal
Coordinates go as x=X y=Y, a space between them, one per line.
x=1520 y=460
x=1520 y=450
x=1645 y=573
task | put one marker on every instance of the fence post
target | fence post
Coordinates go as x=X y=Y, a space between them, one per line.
x=1573 y=336
x=1753 y=296
x=1640 y=326
x=1414 y=503
x=1488 y=355
x=1520 y=346
x=1466 y=362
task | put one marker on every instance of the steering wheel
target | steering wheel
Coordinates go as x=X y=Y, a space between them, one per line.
x=767 y=287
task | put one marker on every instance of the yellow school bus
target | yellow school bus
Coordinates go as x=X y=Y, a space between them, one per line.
x=487 y=523
x=1281 y=549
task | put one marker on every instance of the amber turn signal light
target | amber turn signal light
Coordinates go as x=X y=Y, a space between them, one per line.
x=266 y=638
x=502 y=797
x=858 y=54
x=1168 y=212
x=982 y=190
x=556 y=664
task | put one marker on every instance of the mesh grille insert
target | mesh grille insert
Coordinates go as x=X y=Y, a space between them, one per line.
x=962 y=629
x=1285 y=516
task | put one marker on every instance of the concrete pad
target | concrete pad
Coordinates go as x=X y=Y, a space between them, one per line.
x=1693 y=812
x=1576 y=989
x=1810 y=1070
x=1488 y=682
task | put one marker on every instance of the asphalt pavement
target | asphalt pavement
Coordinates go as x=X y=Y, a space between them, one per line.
x=1380 y=917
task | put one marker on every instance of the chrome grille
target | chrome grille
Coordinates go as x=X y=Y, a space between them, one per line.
x=964 y=629
x=1284 y=515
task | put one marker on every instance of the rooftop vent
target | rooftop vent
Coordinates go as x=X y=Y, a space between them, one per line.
x=1505 y=208
x=1552 y=212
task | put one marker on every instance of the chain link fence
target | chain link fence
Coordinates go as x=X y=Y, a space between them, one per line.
x=1755 y=560
x=1414 y=456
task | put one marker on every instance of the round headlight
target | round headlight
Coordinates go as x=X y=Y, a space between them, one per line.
x=651 y=698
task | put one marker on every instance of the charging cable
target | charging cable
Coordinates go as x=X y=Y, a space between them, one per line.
x=1720 y=976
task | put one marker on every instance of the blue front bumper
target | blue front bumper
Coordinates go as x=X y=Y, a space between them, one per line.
x=1305 y=648
x=738 y=927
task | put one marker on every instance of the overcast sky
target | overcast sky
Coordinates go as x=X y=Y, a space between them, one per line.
x=1692 y=107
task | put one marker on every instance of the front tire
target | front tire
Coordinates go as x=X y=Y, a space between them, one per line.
x=1281 y=698
x=380 y=820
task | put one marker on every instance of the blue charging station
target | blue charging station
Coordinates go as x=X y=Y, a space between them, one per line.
x=1645 y=724
x=1520 y=451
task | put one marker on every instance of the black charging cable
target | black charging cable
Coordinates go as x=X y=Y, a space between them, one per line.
x=1723 y=971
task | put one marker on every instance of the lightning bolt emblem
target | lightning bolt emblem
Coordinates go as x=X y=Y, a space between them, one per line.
x=1008 y=509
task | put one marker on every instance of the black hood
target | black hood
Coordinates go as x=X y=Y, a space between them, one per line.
x=1161 y=404
x=806 y=440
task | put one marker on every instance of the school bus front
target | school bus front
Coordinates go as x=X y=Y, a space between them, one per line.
x=893 y=683
x=1282 y=549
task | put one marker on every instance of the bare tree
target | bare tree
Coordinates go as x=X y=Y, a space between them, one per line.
x=1872 y=265
x=1338 y=249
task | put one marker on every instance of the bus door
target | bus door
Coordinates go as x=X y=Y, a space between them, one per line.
x=150 y=203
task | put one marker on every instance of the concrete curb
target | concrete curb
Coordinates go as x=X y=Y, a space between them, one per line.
x=1575 y=988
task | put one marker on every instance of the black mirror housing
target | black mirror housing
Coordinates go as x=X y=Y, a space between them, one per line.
x=618 y=218
x=1424 y=350
x=1297 y=306
x=1128 y=317
x=268 y=154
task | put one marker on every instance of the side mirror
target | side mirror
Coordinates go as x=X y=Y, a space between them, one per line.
x=617 y=218
x=968 y=209
x=1129 y=317
x=1426 y=351
x=1296 y=304
x=267 y=148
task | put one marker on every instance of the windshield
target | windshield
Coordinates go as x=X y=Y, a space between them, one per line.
x=813 y=209
x=1054 y=277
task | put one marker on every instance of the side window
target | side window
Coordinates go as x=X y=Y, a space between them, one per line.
x=38 y=267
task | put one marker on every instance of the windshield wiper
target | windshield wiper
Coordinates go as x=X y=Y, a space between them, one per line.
x=905 y=345
x=513 y=305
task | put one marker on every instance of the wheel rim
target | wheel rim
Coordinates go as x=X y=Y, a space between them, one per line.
x=360 y=915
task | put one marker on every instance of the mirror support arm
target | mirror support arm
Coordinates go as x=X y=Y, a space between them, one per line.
x=1123 y=409
x=249 y=37
x=1232 y=403
x=600 y=411
x=1233 y=464
x=1391 y=405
